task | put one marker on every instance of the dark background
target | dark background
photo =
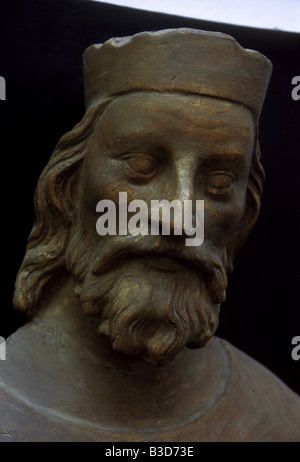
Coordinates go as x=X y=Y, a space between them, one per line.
x=41 y=46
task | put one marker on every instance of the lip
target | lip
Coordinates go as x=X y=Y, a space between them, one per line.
x=164 y=263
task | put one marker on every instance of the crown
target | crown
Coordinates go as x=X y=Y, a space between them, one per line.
x=177 y=60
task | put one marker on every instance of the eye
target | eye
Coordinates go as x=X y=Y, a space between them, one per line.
x=142 y=163
x=140 y=167
x=220 y=182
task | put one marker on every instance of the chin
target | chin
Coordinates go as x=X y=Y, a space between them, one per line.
x=154 y=314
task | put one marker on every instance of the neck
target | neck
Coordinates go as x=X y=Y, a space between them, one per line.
x=114 y=390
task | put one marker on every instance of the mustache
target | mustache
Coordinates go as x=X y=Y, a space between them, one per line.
x=204 y=260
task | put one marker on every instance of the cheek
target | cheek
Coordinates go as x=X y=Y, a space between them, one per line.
x=222 y=220
x=98 y=182
x=100 y=179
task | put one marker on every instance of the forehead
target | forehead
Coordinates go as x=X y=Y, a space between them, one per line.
x=176 y=117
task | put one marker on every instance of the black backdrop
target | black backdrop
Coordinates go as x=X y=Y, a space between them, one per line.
x=41 y=46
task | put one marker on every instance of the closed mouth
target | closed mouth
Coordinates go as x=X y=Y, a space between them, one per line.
x=164 y=263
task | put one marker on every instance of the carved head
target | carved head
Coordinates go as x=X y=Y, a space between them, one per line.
x=171 y=115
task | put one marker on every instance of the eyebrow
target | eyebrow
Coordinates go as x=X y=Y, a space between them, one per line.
x=224 y=159
x=149 y=138
x=119 y=142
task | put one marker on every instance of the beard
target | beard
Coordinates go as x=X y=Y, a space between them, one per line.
x=152 y=295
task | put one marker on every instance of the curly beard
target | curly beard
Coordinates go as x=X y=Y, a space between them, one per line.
x=152 y=296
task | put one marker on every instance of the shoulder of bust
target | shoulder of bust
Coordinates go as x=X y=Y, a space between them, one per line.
x=258 y=402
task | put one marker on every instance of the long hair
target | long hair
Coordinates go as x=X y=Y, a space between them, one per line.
x=252 y=205
x=55 y=213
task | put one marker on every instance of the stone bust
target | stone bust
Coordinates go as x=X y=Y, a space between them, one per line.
x=120 y=341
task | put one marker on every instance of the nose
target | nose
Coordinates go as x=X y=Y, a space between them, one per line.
x=178 y=191
x=183 y=181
